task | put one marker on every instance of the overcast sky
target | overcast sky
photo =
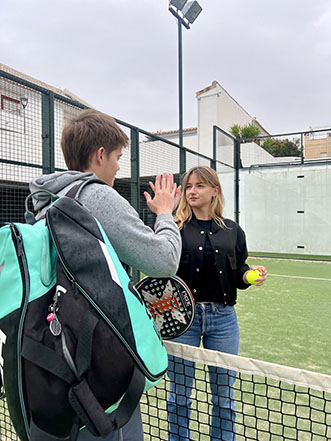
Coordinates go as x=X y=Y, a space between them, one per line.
x=272 y=56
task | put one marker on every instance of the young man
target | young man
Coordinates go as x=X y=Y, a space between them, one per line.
x=92 y=146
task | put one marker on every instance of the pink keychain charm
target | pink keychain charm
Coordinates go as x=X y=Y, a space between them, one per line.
x=50 y=317
x=54 y=324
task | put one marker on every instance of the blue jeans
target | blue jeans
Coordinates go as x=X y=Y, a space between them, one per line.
x=218 y=327
x=132 y=431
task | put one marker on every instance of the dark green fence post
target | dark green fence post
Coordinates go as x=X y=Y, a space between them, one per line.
x=302 y=152
x=236 y=178
x=47 y=121
x=135 y=182
x=135 y=173
x=182 y=161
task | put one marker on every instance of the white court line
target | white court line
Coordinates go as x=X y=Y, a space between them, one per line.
x=298 y=277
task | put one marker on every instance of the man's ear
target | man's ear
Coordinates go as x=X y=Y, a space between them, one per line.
x=99 y=155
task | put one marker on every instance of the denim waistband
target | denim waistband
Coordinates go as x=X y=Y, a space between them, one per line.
x=214 y=306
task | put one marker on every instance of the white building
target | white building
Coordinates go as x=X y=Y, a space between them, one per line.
x=217 y=107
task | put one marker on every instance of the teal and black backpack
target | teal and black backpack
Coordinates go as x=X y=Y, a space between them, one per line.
x=77 y=345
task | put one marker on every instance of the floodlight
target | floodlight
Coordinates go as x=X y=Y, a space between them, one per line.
x=178 y=4
x=24 y=101
x=191 y=11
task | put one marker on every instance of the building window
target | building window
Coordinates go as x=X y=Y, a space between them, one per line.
x=10 y=105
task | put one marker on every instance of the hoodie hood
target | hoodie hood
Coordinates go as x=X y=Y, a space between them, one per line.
x=56 y=183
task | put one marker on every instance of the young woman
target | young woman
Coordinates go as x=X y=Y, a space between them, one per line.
x=213 y=265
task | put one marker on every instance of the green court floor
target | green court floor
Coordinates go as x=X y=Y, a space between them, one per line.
x=288 y=320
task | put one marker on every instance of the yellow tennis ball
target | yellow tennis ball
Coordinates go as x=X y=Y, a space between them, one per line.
x=251 y=275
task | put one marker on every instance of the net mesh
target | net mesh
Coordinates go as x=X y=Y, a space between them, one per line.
x=7 y=431
x=271 y=402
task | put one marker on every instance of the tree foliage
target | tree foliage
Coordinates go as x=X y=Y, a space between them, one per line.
x=245 y=132
x=276 y=147
x=282 y=147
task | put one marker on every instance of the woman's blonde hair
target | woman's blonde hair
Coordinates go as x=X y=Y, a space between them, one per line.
x=209 y=177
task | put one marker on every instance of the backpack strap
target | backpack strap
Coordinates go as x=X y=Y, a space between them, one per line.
x=130 y=400
x=48 y=359
x=75 y=190
x=91 y=413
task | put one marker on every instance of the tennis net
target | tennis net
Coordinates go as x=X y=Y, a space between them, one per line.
x=272 y=402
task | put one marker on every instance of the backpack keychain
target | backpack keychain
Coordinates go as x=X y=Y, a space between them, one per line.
x=54 y=324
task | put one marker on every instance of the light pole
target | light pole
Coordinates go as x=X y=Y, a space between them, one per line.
x=185 y=13
x=24 y=102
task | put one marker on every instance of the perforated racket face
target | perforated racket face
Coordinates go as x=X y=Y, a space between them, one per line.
x=170 y=303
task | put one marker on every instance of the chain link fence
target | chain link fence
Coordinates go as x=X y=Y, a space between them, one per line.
x=31 y=123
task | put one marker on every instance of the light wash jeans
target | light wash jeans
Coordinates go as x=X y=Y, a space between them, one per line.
x=132 y=431
x=218 y=327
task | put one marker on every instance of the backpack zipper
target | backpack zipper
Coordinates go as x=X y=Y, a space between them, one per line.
x=18 y=242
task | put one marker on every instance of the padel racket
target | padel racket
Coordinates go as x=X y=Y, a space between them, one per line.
x=170 y=302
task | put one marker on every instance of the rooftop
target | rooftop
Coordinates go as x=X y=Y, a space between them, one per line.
x=65 y=92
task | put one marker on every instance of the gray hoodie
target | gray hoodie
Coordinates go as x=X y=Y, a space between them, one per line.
x=155 y=253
